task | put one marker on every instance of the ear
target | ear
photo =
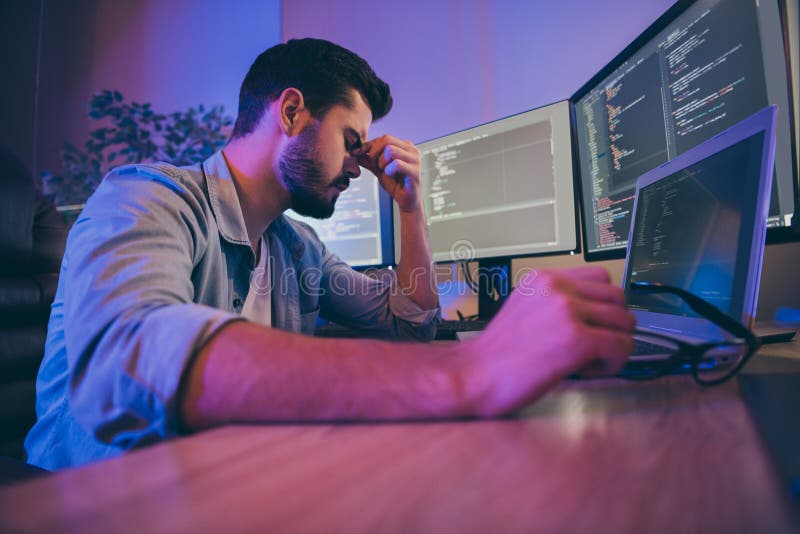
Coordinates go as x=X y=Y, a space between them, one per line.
x=292 y=114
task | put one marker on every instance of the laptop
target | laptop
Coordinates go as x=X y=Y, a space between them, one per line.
x=699 y=223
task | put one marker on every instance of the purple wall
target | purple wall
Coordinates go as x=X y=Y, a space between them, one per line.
x=174 y=54
x=453 y=64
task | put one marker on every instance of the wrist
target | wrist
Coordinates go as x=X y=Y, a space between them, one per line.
x=416 y=208
x=470 y=384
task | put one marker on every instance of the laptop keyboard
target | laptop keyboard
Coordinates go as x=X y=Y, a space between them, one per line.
x=644 y=348
x=447 y=329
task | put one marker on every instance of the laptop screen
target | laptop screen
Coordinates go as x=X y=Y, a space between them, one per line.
x=693 y=227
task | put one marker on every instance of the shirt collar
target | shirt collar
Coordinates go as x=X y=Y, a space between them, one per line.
x=223 y=198
x=228 y=211
x=283 y=229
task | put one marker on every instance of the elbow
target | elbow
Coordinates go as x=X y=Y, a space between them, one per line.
x=126 y=425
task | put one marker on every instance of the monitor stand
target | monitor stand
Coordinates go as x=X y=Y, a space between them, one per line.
x=494 y=286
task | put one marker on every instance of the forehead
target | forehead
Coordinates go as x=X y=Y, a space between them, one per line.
x=358 y=116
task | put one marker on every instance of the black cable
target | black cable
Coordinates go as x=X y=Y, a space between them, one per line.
x=468 y=277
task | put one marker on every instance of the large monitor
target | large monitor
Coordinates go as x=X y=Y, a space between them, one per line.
x=700 y=68
x=360 y=230
x=501 y=190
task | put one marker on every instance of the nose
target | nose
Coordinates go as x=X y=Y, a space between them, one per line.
x=351 y=168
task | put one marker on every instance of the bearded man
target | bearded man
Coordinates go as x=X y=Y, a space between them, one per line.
x=187 y=299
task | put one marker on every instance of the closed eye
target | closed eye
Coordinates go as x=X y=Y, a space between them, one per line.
x=352 y=141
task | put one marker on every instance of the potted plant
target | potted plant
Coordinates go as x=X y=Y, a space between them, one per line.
x=132 y=132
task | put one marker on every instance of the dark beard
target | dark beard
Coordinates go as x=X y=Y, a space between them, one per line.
x=302 y=175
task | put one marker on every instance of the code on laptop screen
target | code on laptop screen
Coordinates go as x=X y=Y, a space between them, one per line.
x=690 y=227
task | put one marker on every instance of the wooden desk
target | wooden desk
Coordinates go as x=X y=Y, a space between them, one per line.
x=608 y=456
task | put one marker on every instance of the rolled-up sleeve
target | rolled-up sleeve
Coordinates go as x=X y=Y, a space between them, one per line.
x=131 y=326
x=373 y=302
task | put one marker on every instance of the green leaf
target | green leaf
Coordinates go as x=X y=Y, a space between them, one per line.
x=135 y=132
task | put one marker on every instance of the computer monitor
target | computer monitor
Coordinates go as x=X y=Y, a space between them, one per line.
x=700 y=68
x=500 y=190
x=360 y=230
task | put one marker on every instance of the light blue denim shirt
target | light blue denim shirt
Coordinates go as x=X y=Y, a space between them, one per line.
x=159 y=261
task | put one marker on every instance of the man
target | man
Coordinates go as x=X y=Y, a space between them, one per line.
x=157 y=330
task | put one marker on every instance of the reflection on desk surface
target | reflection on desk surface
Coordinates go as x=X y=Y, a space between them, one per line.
x=771 y=390
x=595 y=455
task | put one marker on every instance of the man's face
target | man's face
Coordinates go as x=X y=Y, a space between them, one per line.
x=317 y=164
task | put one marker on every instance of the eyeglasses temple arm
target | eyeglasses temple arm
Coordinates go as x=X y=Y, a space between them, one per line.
x=700 y=306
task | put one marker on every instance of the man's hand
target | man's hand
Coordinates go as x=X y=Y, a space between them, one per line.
x=396 y=164
x=555 y=323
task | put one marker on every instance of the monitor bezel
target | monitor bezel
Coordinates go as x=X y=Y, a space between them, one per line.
x=774 y=235
x=386 y=220
x=576 y=216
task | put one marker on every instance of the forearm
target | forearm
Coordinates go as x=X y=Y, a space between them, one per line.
x=415 y=272
x=247 y=373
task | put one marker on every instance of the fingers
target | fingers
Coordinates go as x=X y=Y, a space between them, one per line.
x=396 y=153
x=593 y=303
x=398 y=168
x=396 y=163
x=588 y=272
x=374 y=146
x=568 y=322
x=606 y=351
x=368 y=163
x=376 y=154
x=604 y=315
x=604 y=292
x=599 y=368
x=583 y=302
x=590 y=283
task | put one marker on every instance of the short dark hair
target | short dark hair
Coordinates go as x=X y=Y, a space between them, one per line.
x=323 y=71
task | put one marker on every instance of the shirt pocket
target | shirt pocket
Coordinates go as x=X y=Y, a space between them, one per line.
x=308 y=321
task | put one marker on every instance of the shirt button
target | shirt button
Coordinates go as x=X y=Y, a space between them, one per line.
x=237 y=303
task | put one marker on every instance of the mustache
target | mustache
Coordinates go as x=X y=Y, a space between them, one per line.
x=342 y=180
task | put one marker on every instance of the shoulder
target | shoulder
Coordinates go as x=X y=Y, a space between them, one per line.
x=144 y=205
x=148 y=198
x=150 y=184
x=176 y=178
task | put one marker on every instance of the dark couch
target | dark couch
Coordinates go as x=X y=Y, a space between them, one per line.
x=32 y=240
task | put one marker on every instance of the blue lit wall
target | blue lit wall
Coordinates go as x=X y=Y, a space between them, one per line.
x=454 y=63
x=451 y=63
x=174 y=54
